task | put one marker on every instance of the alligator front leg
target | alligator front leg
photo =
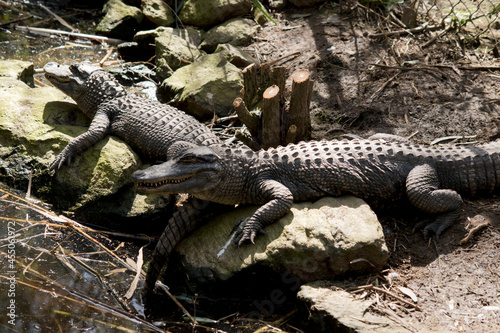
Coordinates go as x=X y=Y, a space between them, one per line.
x=280 y=201
x=422 y=188
x=96 y=132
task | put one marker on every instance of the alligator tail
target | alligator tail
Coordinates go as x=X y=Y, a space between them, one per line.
x=183 y=221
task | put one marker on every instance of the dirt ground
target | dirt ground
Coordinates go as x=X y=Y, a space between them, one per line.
x=368 y=85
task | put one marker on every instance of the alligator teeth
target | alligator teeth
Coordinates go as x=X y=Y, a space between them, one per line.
x=163 y=182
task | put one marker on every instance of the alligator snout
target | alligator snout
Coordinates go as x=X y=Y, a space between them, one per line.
x=137 y=175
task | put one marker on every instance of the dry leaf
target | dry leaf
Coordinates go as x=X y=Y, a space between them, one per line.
x=133 y=285
x=408 y=292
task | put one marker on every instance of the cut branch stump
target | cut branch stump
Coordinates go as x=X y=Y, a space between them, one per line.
x=298 y=113
x=271 y=117
x=275 y=126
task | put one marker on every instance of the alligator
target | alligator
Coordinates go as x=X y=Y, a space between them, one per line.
x=382 y=173
x=149 y=127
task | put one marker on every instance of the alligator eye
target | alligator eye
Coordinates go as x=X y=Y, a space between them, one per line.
x=189 y=158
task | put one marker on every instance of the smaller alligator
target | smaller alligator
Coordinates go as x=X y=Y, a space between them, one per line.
x=382 y=173
x=148 y=126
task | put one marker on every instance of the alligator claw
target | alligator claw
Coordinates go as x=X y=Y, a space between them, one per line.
x=248 y=234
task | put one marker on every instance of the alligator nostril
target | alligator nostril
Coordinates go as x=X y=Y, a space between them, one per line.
x=137 y=174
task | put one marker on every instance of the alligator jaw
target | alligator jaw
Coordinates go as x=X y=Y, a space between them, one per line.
x=160 y=185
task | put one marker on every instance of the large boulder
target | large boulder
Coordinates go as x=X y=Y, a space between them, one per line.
x=35 y=125
x=207 y=13
x=330 y=237
x=206 y=87
x=237 y=32
x=120 y=21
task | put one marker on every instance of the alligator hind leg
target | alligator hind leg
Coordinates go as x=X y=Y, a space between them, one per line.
x=422 y=188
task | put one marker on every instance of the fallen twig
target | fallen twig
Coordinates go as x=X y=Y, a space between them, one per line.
x=58 y=18
x=44 y=31
x=387 y=292
x=404 y=68
x=474 y=231
x=375 y=95
x=421 y=28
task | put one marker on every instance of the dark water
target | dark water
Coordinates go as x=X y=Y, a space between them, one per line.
x=59 y=277
x=40 y=49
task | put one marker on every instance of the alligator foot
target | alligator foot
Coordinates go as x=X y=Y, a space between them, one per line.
x=436 y=226
x=247 y=230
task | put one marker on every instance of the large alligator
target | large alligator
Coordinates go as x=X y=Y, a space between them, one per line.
x=149 y=127
x=382 y=173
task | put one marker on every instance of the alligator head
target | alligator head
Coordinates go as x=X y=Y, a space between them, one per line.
x=70 y=79
x=192 y=169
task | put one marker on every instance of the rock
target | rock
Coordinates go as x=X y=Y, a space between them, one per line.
x=259 y=14
x=206 y=87
x=306 y=3
x=120 y=21
x=314 y=241
x=207 y=13
x=237 y=32
x=335 y=310
x=158 y=12
x=191 y=35
x=20 y=70
x=236 y=56
x=35 y=125
x=175 y=51
x=277 y=4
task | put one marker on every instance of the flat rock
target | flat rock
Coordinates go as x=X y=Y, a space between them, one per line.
x=320 y=240
x=335 y=310
x=206 y=87
x=237 y=32
x=207 y=13
x=191 y=35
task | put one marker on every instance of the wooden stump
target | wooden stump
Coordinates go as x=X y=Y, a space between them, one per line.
x=271 y=117
x=298 y=113
x=251 y=120
x=251 y=85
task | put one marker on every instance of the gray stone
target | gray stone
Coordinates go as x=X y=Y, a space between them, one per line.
x=319 y=240
x=335 y=310
x=206 y=87
x=237 y=32
x=207 y=13
x=174 y=50
x=236 y=56
x=35 y=125
x=120 y=21
x=158 y=12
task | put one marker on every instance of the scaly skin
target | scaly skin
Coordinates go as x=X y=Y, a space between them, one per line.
x=149 y=127
x=382 y=173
